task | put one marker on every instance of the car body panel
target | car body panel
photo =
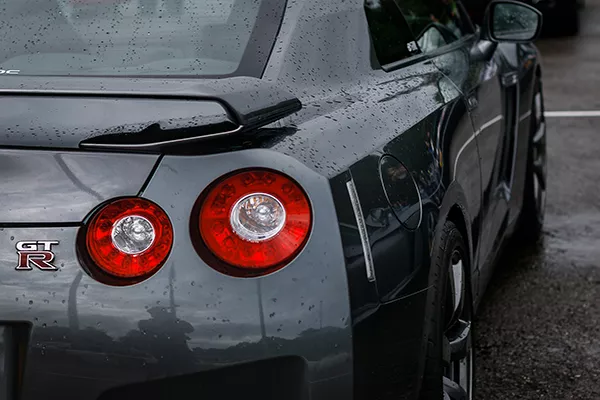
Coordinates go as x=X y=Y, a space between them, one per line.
x=43 y=186
x=99 y=336
x=95 y=112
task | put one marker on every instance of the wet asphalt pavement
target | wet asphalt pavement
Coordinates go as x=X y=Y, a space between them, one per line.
x=538 y=332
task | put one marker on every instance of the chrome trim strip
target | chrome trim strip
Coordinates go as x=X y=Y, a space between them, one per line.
x=525 y=116
x=473 y=136
x=153 y=145
x=362 y=230
x=490 y=123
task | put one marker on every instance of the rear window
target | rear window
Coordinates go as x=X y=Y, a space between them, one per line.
x=208 y=38
x=391 y=37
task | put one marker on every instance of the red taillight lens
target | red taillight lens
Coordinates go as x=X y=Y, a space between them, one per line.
x=256 y=220
x=129 y=238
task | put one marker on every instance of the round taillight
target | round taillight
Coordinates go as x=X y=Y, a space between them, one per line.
x=129 y=238
x=257 y=220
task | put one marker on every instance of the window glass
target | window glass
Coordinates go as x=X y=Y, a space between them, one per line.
x=434 y=23
x=390 y=34
x=138 y=37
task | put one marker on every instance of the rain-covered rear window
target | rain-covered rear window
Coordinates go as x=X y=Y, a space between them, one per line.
x=138 y=37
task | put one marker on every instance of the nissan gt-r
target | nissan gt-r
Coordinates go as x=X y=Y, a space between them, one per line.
x=260 y=199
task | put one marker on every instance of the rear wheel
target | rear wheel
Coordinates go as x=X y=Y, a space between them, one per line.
x=534 y=201
x=449 y=366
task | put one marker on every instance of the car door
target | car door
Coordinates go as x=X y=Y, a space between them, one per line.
x=474 y=67
x=491 y=94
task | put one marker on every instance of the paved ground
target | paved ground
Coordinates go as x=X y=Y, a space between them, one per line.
x=539 y=325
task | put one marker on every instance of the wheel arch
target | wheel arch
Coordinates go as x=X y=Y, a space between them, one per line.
x=454 y=209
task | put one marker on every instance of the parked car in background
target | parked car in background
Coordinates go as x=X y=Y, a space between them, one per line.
x=561 y=17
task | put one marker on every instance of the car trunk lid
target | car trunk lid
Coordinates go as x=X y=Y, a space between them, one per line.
x=150 y=115
x=70 y=144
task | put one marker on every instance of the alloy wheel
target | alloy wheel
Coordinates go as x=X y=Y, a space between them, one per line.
x=458 y=354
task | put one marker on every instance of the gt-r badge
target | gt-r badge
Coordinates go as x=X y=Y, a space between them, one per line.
x=36 y=253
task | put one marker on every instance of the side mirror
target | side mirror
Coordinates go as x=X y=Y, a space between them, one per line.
x=512 y=21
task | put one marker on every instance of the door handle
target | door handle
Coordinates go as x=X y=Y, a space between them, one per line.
x=472 y=103
x=510 y=79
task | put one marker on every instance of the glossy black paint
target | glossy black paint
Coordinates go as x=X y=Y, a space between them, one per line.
x=187 y=318
x=62 y=187
x=365 y=339
x=140 y=114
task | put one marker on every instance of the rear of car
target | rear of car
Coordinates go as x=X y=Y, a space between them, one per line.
x=124 y=273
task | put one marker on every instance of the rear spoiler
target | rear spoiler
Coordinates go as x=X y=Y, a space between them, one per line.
x=136 y=114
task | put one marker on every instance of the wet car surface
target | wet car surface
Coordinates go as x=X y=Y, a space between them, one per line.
x=538 y=335
x=173 y=324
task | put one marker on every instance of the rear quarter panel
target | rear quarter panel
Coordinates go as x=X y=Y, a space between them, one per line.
x=353 y=114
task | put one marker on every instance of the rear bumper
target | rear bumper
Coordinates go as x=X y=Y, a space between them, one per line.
x=188 y=326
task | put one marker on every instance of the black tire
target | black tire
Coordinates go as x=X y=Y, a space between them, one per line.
x=435 y=379
x=534 y=197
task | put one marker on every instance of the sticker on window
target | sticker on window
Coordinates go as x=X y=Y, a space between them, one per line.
x=412 y=47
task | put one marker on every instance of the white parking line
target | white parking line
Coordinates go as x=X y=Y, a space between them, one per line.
x=572 y=114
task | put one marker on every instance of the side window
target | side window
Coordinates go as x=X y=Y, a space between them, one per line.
x=391 y=36
x=435 y=23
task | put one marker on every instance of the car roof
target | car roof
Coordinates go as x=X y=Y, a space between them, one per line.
x=321 y=43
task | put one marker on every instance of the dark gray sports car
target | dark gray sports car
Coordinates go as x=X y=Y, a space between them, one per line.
x=259 y=199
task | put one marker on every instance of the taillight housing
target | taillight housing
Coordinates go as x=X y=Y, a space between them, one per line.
x=252 y=222
x=127 y=240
